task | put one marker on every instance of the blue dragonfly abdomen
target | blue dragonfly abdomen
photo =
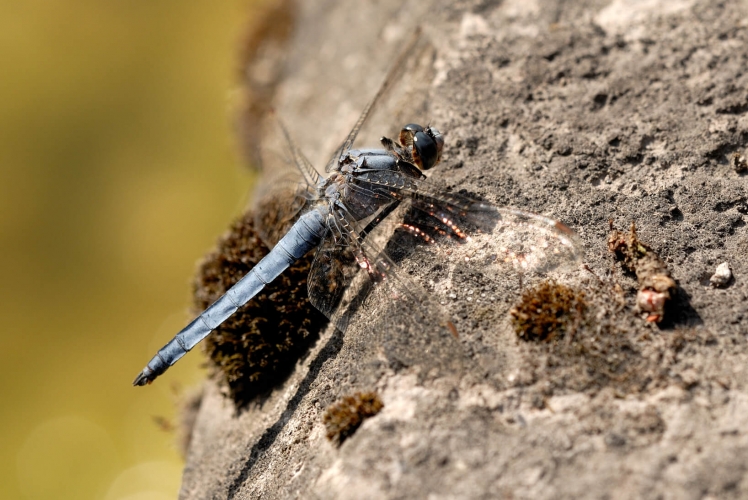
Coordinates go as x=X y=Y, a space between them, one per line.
x=303 y=236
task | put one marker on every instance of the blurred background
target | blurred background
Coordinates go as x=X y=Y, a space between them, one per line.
x=118 y=170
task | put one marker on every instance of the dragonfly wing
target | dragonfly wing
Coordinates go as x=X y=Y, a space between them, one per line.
x=491 y=238
x=360 y=288
x=283 y=203
x=474 y=258
x=498 y=239
x=289 y=192
x=332 y=272
x=388 y=80
x=411 y=327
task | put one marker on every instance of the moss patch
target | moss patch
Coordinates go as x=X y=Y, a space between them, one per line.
x=548 y=311
x=343 y=417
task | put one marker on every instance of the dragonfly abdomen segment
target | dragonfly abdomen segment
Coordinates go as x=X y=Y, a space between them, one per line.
x=302 y=237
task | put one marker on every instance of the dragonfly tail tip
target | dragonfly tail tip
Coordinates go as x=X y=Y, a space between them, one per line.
x=141 y=379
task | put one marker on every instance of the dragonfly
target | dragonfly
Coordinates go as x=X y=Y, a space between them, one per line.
x=374 y=211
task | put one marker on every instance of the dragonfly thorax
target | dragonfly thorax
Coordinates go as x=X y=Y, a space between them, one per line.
x=362 y=181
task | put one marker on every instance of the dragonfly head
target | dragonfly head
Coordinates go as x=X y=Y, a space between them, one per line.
x=426 y=144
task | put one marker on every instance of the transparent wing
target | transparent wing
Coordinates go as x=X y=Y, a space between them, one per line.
x=468 y=232
x=487 y=237
x=303 y=165
x=392 y=319
x=281 y=205
x=332 y=272
x=289 y=193
x=492 y=239
x=442 y=240
x=388 y=79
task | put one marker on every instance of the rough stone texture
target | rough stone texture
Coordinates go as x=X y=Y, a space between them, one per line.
x=585 y=111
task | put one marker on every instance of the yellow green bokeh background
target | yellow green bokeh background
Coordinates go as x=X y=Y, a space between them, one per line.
x=118 y=170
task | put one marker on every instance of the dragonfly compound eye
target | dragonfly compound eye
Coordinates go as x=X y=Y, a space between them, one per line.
x=426 y=150
x=438 y=140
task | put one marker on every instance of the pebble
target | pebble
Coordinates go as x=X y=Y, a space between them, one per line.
x=721 y=276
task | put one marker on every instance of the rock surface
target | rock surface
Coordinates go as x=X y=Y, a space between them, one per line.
x=585 y=111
